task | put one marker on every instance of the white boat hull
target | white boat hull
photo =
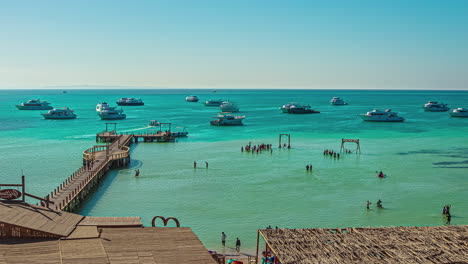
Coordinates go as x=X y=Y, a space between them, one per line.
x=459 y=114
x=436 y=109
x=46 y=116
x=26 y=107
x=382 y=118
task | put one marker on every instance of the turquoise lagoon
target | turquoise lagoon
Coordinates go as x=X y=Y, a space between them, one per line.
x=425 y=158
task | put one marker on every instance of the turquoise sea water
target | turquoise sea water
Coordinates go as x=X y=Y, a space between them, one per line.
x=425 y=158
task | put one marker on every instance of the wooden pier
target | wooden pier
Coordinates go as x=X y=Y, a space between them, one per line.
x=97 y=161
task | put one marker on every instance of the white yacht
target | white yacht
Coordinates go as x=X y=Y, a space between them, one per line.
x=34 y=104
x=286 y=107
x=459 y=112
x=302 y=109
x=337 y=101
x=103 y=106
x=382 y=116
x=229 y=107
x=112 y=113
x=130 y=101
x=214 y=102
x=227 y=120
x=432 y=106
x=64 y=113
x=192 y=98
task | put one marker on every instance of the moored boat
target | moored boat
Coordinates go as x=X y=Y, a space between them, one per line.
x=285 y=107
x=432 y=106
x=102 y=106
x=191 y=98
x=229 y=107
x=130 y=101
x=459 y=112
x=337 y=101
x=64 y=113
x=112 y=113
x=227 y=120
x=382 y=116
x=301 y=109
x=213 y=102
x=34 y=104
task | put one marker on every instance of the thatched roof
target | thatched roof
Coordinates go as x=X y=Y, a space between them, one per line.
x=441 y=244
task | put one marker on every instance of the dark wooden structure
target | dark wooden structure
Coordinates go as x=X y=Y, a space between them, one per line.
x=36 y=235
x=280 y=139
x=344 y=140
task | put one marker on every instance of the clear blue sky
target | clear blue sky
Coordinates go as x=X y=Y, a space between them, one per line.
x=414 y=44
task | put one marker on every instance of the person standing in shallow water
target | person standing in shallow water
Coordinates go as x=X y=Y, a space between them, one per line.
x=223 y=239
x=194 y=164
x=368 y=203
x=206 y=163
x=238 y=244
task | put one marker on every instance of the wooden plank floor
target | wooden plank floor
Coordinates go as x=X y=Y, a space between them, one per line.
x=60 y=198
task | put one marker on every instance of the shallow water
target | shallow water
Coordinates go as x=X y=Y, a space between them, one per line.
x=425 y=159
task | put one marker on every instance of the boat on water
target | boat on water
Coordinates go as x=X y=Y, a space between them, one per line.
x=34 y=104
x=130 y=101
x=64 y=113
x=459 y=112
x=301 y=109
x=227 y=120
x=191 y=98
x=111 y=113
x=337 y=101
x=182 y=133
x=382 y=116
x=103 y=106
x=229 y=107
x=213 y=102
x=285 y=107
x=154 y=123
x=433 y=106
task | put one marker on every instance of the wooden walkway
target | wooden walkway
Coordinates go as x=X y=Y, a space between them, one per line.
x=97 y=161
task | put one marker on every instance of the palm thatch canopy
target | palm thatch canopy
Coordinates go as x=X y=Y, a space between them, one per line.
x=438 y=244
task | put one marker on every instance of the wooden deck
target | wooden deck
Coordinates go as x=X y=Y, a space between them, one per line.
x=26 y=220
x=111 y=221
x=156 y=245
x=97 y=162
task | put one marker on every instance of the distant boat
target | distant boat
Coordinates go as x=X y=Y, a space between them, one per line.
x=382 y=116
x=191 y=98
x=64 y=113
x=103 y=106
x=337 y=101
x=227 y=120
x=285 y=107
x=34 y=104
x=213 y=102
x=459 y=112
x=229 y=107
x=112 y=113
x=130 y=101
x=432 y=106
x=154 y=123
x=303 y=109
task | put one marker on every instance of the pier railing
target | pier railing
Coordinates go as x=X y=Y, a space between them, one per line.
x=79 y=182
x=89 y=154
